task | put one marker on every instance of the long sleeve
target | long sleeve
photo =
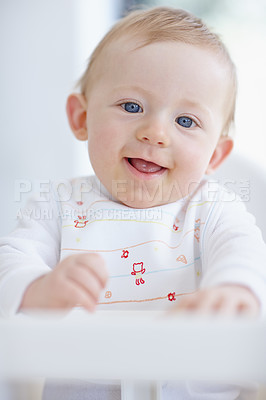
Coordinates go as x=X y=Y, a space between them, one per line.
x=30 y=251
x=233 y=250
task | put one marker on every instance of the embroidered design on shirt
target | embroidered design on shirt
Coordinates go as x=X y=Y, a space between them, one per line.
x=79 y=203
x=198 y=271
x=197 y=229
x=81 y=222
x=172 y=296
x=125 y=254
x=138 y=270
x=108 y=294
x=182 y=258
x=175 y=226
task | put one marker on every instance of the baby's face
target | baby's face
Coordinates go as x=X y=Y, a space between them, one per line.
x=154 y=118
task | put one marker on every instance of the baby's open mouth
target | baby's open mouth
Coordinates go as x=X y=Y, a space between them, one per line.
x=144 y=166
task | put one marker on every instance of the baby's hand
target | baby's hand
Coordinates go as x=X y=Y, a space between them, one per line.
x=229 y=300
x=77 y=280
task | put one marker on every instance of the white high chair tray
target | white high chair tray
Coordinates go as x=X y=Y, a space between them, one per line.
x=138 y=348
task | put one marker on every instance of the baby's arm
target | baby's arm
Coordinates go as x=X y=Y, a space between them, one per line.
x=229 y=300
x=77 y=280
x=29 y=252
x=233 y=264
x=31 y=274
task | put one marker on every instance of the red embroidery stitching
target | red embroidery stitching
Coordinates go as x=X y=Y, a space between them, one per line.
x=182 y=258
x=108 y=294
x=171 y=296
x=138 y=270
x=81 y=222
x=175 y=227
x=125 y=254
x=197 y=230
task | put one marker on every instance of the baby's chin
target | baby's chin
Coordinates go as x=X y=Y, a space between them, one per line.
x=140 y=204
x=144 y=203
x=149 y=194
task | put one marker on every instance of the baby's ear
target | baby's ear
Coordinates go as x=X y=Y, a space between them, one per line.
x=76 y=109
x=221 y=152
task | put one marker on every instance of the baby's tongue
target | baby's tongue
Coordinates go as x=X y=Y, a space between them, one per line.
x=144 y=166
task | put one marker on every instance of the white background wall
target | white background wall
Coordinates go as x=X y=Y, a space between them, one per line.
x=43 y=49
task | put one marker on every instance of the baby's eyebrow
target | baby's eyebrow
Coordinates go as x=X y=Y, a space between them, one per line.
x=135 y=88
x=196 y=105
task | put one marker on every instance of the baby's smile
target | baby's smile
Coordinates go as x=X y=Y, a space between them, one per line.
x=144 y=169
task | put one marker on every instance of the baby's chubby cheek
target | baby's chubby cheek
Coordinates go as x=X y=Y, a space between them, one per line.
x=104 y=163
x=104 y=143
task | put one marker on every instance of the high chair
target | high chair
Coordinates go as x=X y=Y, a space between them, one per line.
x=141 y=349
x=248 y=180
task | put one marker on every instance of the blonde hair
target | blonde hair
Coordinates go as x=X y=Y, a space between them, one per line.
x=166 y=24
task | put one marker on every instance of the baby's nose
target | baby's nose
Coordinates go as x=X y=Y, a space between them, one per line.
x=154 y=134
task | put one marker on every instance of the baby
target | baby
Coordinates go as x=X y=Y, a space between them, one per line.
x=149 y=230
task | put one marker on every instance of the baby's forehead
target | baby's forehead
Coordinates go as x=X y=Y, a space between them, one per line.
x=126 y=48
x=122 y=45
x=132 y=62
x=125 y=44
x=160 y=66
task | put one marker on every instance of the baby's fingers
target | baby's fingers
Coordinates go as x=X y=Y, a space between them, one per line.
x=76 y=295
x=96 y=265
x=194 y=302
x=223 y=300
x=86 y=279
x=237 y=306
x=208 y=302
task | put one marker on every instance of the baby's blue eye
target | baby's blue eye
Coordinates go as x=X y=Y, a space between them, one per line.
x=131 y=107
x=186 y=122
